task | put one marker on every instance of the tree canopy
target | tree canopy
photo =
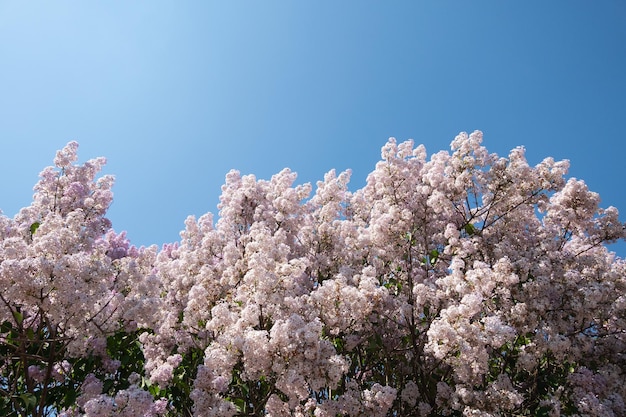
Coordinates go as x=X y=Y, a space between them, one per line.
x=460 y=284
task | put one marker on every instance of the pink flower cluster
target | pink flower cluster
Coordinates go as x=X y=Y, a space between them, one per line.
x=464 y=284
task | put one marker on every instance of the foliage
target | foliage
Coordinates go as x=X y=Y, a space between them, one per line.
x=466 y=284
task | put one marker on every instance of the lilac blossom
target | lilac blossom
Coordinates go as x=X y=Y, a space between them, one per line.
x=461 y=284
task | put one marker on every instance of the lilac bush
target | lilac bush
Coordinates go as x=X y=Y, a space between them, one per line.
x=464 y=284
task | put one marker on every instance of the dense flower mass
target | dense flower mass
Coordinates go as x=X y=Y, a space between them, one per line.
x=464 y=284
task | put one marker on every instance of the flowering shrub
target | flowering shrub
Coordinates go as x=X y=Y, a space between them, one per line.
x=466 y=284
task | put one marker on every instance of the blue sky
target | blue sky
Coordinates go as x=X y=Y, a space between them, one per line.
x=175 y=94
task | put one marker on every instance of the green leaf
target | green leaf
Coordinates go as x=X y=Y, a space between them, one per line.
x=29 y=400
x=19 y=317
x=70 y=397
x=6 y=326
x=240 y=403
x=243 y=386
x=338 y=343
x=30 y=334
x=34 y=227
x=108 y=385
x=433 y=255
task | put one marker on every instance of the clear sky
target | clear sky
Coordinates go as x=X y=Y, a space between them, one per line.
x=177 y=93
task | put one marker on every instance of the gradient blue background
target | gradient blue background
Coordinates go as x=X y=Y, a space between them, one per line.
x=176 y=93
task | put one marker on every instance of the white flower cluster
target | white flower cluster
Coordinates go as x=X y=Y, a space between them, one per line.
x=466 y=284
